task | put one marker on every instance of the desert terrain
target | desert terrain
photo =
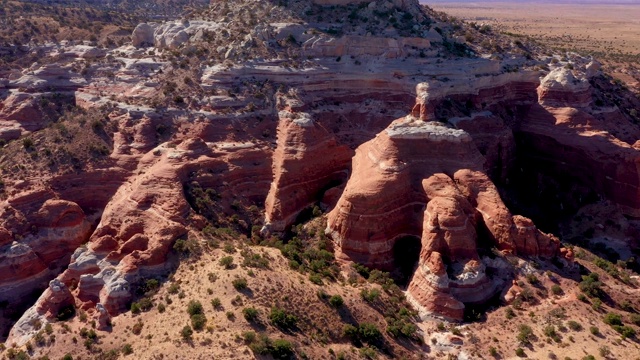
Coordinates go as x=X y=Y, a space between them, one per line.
x=607 y=31
x=312 y=179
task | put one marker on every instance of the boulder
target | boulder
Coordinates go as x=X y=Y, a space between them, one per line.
x=143 y=35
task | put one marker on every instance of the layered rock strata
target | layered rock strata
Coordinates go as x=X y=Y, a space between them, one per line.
x=425 y=179
x=307 y=161
x=292 y=134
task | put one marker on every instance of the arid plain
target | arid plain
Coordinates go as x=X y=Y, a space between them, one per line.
x=610 y=32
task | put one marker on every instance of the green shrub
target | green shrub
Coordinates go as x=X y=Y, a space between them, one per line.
x=532 y=279
x=525 y=333
x=613 y=319
x=194 y=308
x=591 y=285
x=261 y=345
x=625 y=331
x=229 y=248
x=556 y=290
x=362 y=270
x=186 y=333
x=604 y=351
x=635 y=319
x=280 y=318
x=509 y=313
x=198 y=321
x=627 y=306
x=216 y=303
x=137 y=327
x=145 y=304
x=493 y=352
x=550 y=331
x=226 y=262
x=151 y=285
x=281 y=349
x=574 y=325
x=520 y=352
x=250 y=314
x=27 y=143
x=350 y=331
x=368 y=353
x=369 y=333
x=135 y=308
x=249 y=337
x=594 y=330
x=315 y=278
x=336 y=301
x=161 y=308
x=127 y=349
x=173 y=289
x=239 y=284
x=88 y=334
x=187 y=247
x=370 y=296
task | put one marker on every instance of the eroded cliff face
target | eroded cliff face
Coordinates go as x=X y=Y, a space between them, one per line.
x=426 y=180
x=409 y=148
x=458 y=209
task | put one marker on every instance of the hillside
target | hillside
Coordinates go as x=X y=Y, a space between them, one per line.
x=311 y=179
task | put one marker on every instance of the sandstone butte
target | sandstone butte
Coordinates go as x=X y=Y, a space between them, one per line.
x=368 y=141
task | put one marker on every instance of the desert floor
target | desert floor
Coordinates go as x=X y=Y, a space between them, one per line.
x=592 y=27
x=610 y=32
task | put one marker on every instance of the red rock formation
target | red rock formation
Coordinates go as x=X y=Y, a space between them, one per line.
x=561 y=88
x=55 y=298
x=424 y=179
x=5 y=237
x=50 y=231
x=102 y=317
x=571 y=140
x=364 y=223
x=307 y=161
x=414 y=178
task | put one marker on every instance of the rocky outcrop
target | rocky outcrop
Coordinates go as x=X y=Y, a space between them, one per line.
x=307 y=161
x=561 y=88
x=46 y=310
x=102 y=317
x=293 y=131
x=425 y=180
x=569 y=137
x=170 y=35
x=142 y=35
x=55 y=298
x=364 y=223
x=49 y=231
x=323 y=46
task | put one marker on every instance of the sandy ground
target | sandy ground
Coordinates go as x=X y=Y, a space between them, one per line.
x=610 y=32
x=596 y=27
